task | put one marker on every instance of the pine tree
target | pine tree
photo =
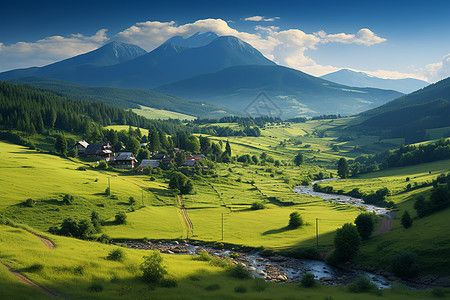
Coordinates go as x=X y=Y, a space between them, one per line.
x=406 y=220
x=228 y=149
x=61 y=144
x=343 y=168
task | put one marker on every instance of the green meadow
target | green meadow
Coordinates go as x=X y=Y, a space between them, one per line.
x=153 y=113
x=74 y=267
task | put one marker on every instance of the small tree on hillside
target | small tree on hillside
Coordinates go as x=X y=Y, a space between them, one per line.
x=153 y=270
x=228 y=148
x=61 y=144
x=295 y=220
x=346 y=242
x=298 y=159
x=406 y=220
x=343 y=168
x=365 y=225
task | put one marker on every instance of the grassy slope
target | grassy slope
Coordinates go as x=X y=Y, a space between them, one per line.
x=75 y=265
x=153 y=113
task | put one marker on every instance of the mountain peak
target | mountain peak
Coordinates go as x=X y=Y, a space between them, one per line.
x=122 y=50
x=198 y=39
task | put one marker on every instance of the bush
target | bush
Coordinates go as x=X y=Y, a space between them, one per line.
x=346 y=243
x=131 y=201
x=81 y=168
x=406 y=220
x=30 y=202
x=68 y=199
x=404 y=265
x=153 y=270
x=121 y=218
x=107 y=191
x=104 y=239
x=257 y=205
x=102 y=165
x=213 y=287
x=116 y=255
x=95 y=288
x=295 y=220
x=240 y=289
x=239 y=271
x=308 y=280
x=362 y=285
x=365 y=225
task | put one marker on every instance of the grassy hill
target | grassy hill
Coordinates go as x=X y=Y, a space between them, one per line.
x=126 y=98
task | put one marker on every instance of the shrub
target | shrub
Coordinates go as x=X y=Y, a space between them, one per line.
x=81 y=168
x=108 y=191
x=295 y=220
x=153 y=270
x=308 y=280
x=120 y=218
x=365 y=225
x=240 y=289
x=362 y=285
x=406 y=220
x=152 y=178
x=102 y=165
x=239 y=271
x=234 y=255
x=213 y=287
x=404 y=265
x=104 y=239
x=116 y=255
x=68 y=199
x=95 y=288
x=131 y=201
x=257 y=205
x=203 y=255
x=30 y=202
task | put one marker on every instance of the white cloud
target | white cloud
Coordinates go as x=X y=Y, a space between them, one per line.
x=363 y=37
x=48 y=50
x=437 y=71
x=261 y=19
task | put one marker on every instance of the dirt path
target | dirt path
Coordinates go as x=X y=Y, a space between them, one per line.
x=185 y=216
x=386 y=224
x=22 y=278
x=49 y=244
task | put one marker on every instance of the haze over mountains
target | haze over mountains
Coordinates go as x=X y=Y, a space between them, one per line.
x=360 y=79
x=205 y=67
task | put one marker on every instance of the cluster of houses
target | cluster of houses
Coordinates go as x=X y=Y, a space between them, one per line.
x=126 y=160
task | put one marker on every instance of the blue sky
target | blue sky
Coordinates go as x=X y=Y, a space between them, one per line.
x=391 y=39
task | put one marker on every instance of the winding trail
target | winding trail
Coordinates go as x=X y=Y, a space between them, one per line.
x=24 y=279
x=386 y=224
x=185 y=216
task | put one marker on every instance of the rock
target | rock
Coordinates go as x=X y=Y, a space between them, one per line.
x=176 y=243
x=170 y=252
x=252 y=269
x=281 y=277
x=261 y=272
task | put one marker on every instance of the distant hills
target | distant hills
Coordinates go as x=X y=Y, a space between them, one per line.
x=294 y=92
x=126 y=98
x=223 y=70
x=424 y=109
x=360 y=79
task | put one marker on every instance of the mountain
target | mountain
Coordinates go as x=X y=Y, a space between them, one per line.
x=126 y=99
x=360 y=79
x=167 y=63
x=424 y=109
x=80 y=66
x=199 y=39
x=294 y=93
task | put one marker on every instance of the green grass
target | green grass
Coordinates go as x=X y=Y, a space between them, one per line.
x=394 y=179
x=126 y=127
x=153 y=113
x=75 y=265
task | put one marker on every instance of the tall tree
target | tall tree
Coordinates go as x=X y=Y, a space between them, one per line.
x=228 y=148
x=193 y=144
x=346 y=242
x=298 y=159
x=343 y=168
x=61 y=144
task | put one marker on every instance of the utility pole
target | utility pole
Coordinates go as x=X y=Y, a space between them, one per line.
x=222 y=226
x=317 y=232
x=142 y=196
x=109 y=185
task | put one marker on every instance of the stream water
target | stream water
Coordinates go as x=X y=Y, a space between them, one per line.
x=307 y=190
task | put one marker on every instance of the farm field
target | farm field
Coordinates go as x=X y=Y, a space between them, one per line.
x=74 y=266
x=153 y=113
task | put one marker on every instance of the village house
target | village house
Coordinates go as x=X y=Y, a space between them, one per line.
x=190 y=163
x=167 y=161
x=158 y=156
x=150 y=162
x=101 y=151
x=125 y=160
x=195 y=156
x=81 y=147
